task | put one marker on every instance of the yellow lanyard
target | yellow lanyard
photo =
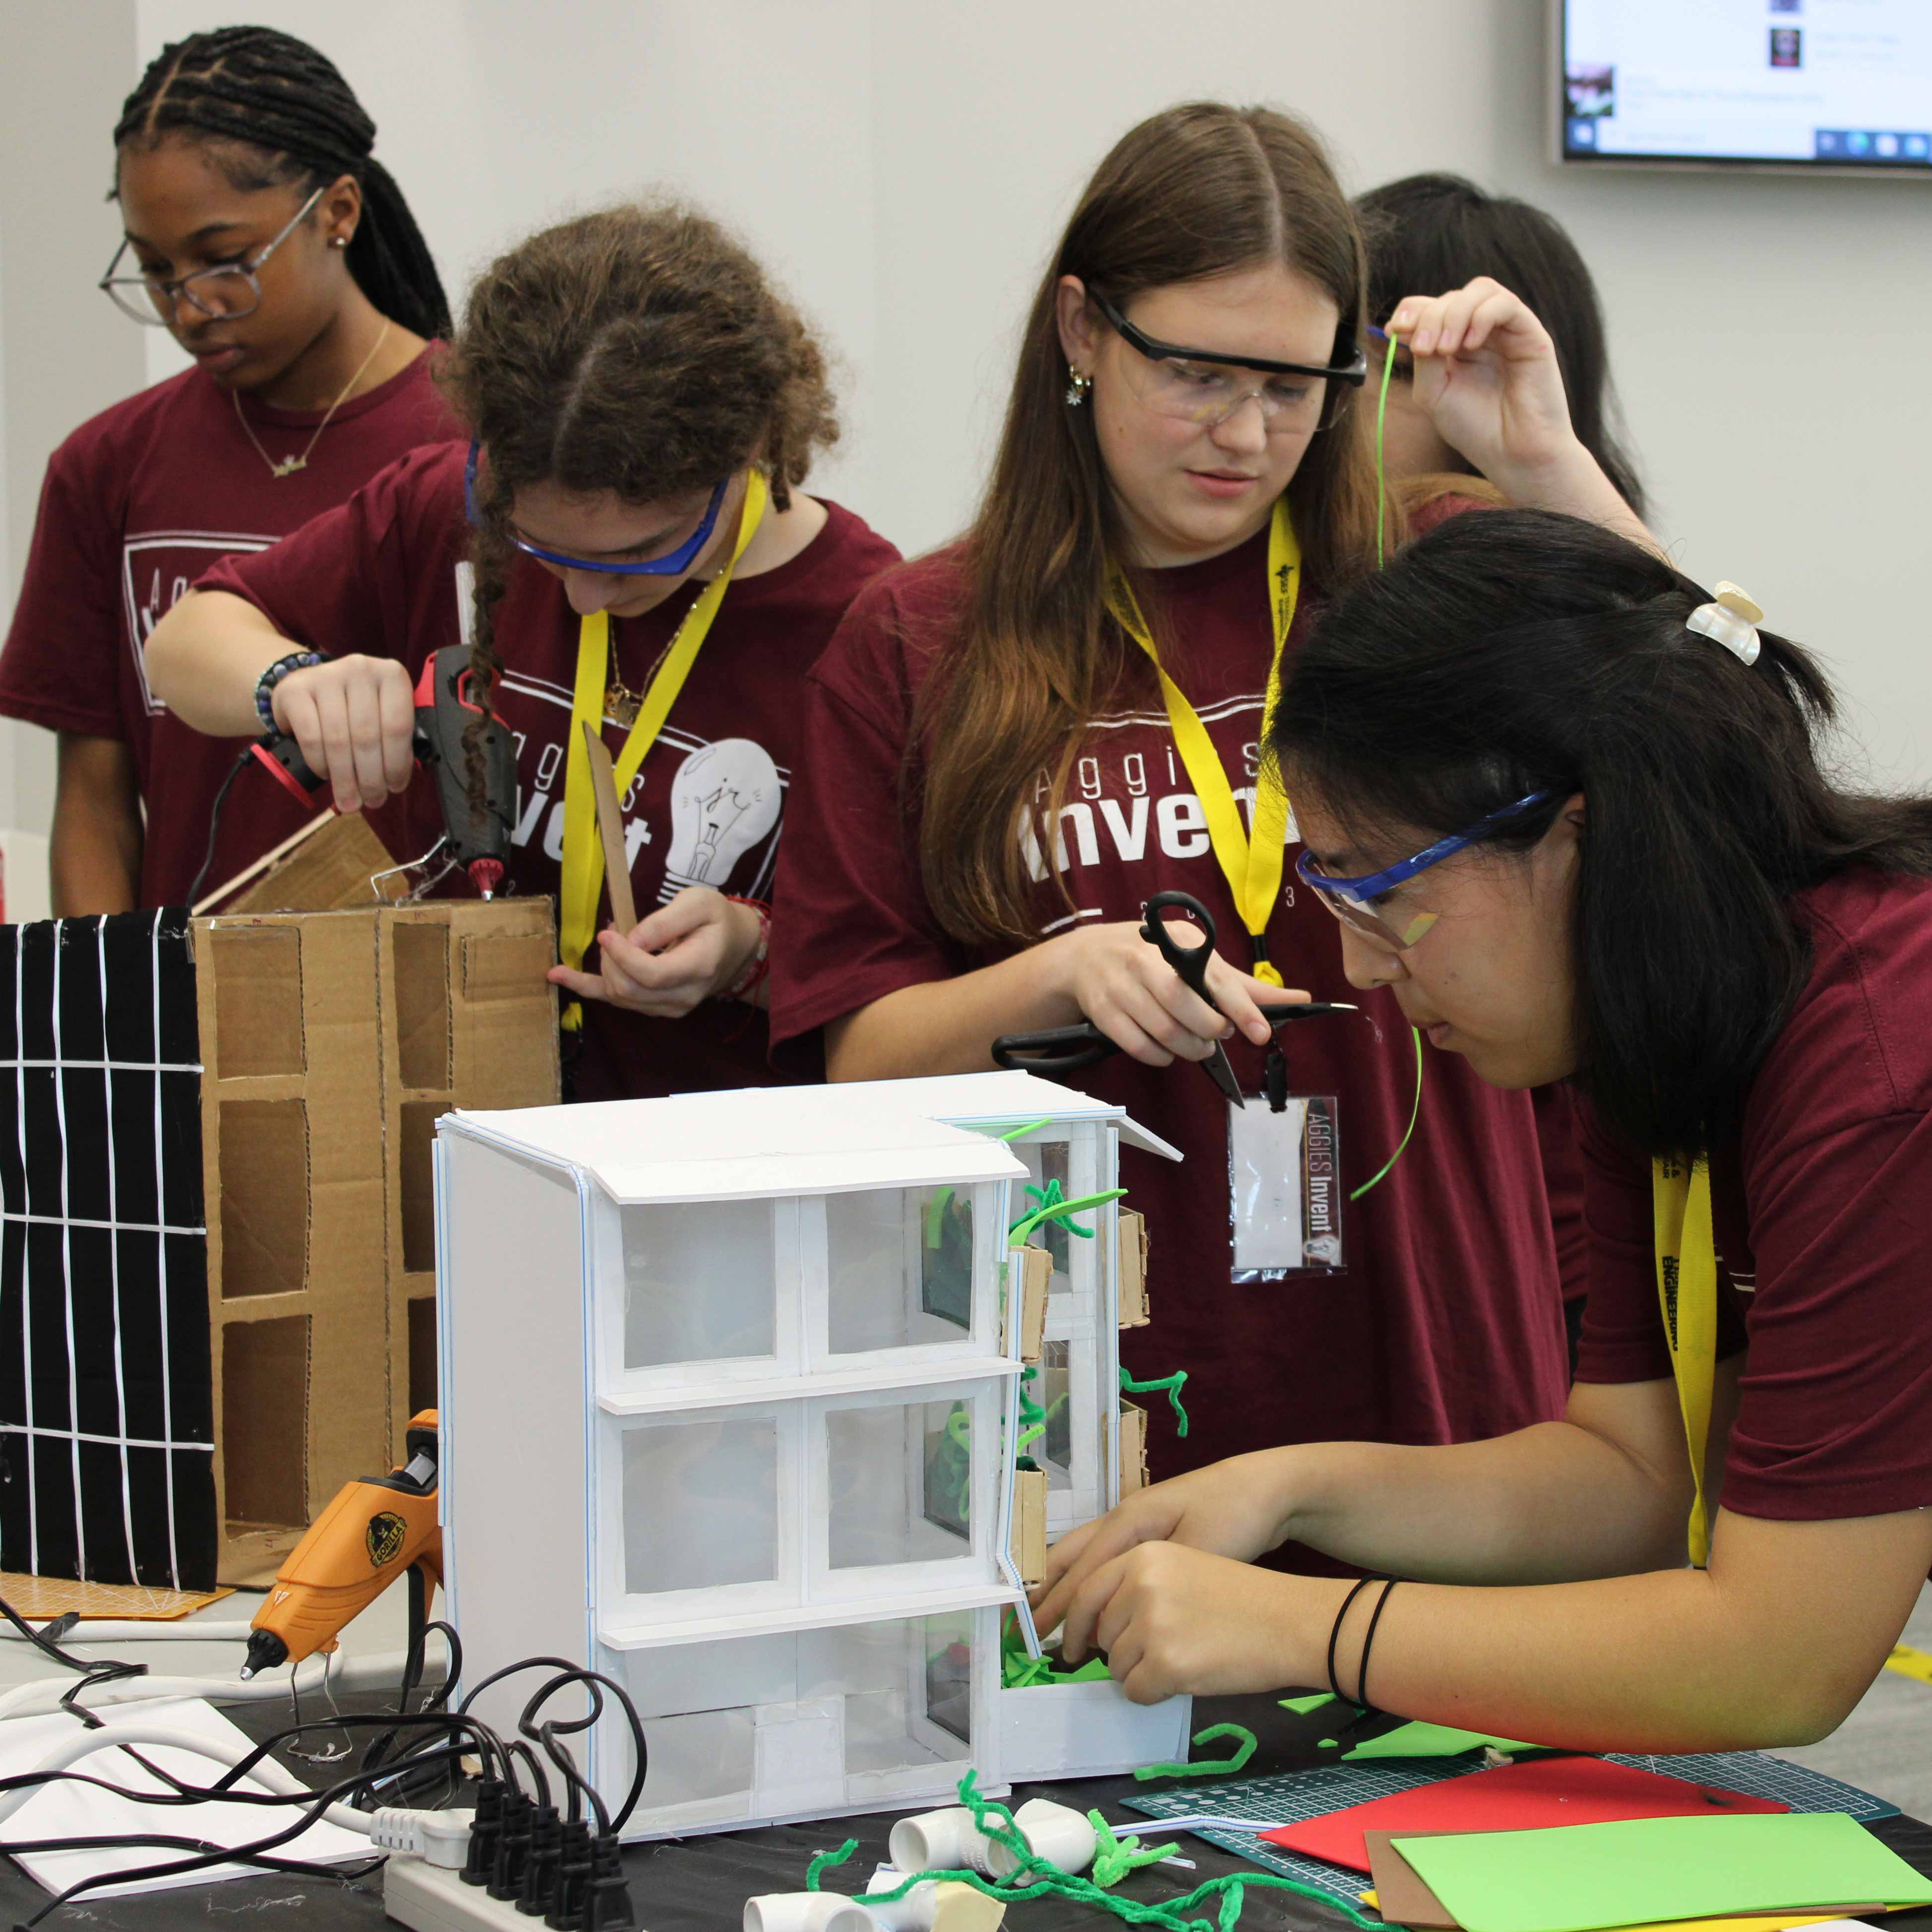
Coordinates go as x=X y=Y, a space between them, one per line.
x=1687 y=1288
x=583 y=851
x=1253 y=866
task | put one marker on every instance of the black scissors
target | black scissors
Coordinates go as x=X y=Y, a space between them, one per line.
x=1065 y=1049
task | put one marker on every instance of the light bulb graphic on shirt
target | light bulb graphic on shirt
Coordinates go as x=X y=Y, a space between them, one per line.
x=725 y=798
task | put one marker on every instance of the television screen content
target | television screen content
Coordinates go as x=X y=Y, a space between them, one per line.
x=1825 y=83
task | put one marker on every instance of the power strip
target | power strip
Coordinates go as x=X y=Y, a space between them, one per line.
x=432 y=1899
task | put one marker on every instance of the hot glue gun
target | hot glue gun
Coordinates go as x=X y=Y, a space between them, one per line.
x=479 y=843
x=374 y=1530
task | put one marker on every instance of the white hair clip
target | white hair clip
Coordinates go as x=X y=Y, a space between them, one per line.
x=1732 y=620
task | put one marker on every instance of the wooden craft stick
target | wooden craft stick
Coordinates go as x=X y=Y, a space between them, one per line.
x=261 y=865
x=610 y=829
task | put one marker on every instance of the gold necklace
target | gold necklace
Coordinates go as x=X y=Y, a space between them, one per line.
x=290 y=465
x=621 y=703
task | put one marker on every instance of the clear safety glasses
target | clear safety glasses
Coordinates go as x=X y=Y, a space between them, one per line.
x=224 y=293
x=1369 y=905
x=674 y=563
x=1198 y=386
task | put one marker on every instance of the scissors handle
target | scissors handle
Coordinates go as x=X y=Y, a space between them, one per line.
x=1190 y=961
x=1058 y=1050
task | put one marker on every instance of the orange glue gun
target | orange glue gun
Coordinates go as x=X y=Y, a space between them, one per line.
x=375 y=1529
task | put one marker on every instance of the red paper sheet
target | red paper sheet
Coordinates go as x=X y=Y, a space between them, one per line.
x=1522 y=1797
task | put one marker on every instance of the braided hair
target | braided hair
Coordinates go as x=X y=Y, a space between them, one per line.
x=277 y=96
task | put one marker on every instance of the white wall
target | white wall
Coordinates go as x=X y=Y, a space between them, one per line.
x=64 y=353
x=903 y=165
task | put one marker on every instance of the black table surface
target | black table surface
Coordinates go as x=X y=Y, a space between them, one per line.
x=700 y=1884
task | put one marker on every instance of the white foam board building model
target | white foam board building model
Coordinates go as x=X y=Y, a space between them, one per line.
x=729 y=1408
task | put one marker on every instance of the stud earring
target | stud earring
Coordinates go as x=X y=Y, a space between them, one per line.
x=338 y=241
x=1077 y=386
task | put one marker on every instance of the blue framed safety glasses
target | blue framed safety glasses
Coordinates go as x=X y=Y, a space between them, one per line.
x=1353 y=901
x=673 y=564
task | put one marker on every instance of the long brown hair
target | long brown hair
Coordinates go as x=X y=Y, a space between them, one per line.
x=640 y=350
x=1199 y=190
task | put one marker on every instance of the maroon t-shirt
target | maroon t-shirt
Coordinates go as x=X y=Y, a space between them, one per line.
x=1822 y=1214
x=137 y=503
x=387 y=573
x=1446 y=1323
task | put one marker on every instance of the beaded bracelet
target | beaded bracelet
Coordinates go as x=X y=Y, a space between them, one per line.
x=265 y=685
x=758 y=967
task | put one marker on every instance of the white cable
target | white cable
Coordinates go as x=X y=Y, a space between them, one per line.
x=442 y=1838
x=267 y=1774
x=382 y=1668
x=1205 y=1821
x=107 y=1631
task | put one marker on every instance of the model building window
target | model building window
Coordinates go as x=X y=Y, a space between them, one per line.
x=900 y=1484
x=701 y=1506
x=699 y=1282
x=901 y=1268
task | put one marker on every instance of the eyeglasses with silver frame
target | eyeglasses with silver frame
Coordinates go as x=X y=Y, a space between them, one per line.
x=225 y=292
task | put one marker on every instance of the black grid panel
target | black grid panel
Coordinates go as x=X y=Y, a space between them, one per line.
x=107 y=1401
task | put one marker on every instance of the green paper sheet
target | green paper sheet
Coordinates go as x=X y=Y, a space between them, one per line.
x=1301 y=1706
x=1578 y=1878
x=1434 y=1740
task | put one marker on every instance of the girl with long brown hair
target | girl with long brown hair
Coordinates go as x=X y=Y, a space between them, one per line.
x=623 y=543
x=999 y=778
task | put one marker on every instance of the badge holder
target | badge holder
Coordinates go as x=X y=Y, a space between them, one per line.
x=1284 y=1181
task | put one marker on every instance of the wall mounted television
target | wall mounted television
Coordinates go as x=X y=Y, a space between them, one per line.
x=1809 y=86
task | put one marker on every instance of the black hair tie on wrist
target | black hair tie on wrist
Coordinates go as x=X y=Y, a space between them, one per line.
x=1335 y=1635
x=1368 y=1644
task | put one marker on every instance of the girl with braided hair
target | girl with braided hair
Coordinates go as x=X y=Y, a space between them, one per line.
x=263 y=233
x=625 y=547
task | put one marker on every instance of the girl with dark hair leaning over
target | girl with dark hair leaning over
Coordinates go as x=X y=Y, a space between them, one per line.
x=263 y=234
x=1571 y=810
x=623 y=543
x=998 y=781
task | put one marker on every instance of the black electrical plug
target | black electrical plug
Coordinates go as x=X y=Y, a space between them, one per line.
x=486 y=1832
x=539 y=1889
x=607 y=1905
x=513 y=1847
x=575 y=1865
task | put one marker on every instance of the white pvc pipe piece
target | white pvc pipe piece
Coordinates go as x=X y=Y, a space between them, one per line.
x=807 y=1911
x=913 y=1913
x=944 y=1840
x=1064 y=1838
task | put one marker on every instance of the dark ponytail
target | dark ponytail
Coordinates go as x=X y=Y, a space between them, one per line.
x=1515 y=651
x=271 y=93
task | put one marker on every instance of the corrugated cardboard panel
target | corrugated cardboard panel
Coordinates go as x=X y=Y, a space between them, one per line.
x=1029 y=1538
x=468 y=1019
x=293 y=1167
x=258 y=969
x=421 y=948
x=348 y=1431
x=1133 y=1438
x=1133 y=1262
x=332 y=871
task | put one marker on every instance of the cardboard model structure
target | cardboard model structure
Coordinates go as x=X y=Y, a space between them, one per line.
x=729 y=1413
x=217 y=1294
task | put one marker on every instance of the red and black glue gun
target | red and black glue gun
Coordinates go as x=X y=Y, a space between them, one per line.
x=479 y=841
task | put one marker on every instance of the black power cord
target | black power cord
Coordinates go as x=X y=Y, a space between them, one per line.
x=215 y=824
